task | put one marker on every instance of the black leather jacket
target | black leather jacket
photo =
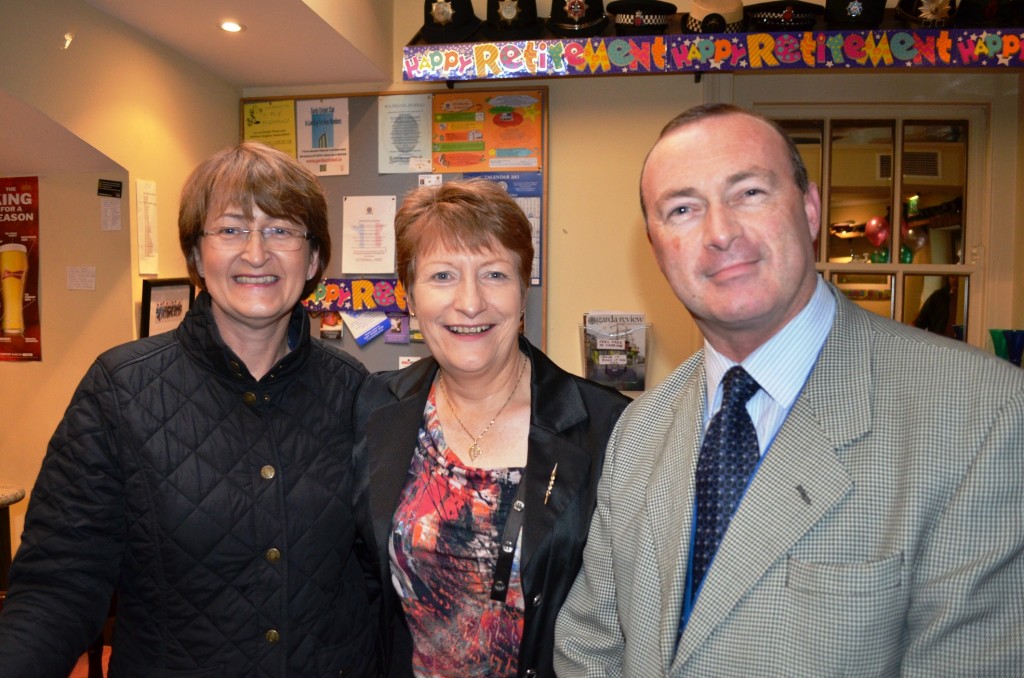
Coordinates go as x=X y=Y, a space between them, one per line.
x=570 y=423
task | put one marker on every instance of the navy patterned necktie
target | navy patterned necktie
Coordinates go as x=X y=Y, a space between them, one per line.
x=727 y=458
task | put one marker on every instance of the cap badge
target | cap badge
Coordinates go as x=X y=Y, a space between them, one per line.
x=855 y=8
x=442 y=12
x=934 y=10
x=508 y=10
x=576 y=9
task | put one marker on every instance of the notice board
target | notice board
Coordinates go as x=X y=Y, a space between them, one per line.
x=369 y=150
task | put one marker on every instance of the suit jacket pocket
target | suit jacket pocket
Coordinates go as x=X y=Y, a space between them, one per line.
x=843 y=619
x=845 y=579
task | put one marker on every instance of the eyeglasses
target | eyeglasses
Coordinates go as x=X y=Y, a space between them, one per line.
x=274 y=238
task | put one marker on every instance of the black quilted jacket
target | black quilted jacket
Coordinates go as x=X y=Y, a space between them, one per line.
x=216 y=505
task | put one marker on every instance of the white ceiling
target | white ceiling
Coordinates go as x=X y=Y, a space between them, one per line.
x=286 y=43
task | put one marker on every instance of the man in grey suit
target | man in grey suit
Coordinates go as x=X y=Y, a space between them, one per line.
x=882 y=530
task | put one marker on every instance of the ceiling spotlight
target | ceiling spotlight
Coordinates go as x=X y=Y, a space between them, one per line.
x=232 y=26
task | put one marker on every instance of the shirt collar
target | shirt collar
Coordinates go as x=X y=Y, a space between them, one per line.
x=782 y=364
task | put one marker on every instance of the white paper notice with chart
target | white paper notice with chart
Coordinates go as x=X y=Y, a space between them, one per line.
x=368 y=234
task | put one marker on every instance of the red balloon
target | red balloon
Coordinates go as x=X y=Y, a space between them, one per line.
x=877 y=230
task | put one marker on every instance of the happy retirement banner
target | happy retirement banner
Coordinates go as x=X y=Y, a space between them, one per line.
x=702 y=53
x=357 y=295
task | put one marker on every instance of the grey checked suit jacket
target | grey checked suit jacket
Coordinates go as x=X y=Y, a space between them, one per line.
x=883 y=534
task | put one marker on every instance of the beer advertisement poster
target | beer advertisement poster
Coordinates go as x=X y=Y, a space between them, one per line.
x=19 y=268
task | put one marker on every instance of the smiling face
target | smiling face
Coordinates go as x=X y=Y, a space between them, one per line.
x=469 y=304
x=732 y=232
x=252 y=288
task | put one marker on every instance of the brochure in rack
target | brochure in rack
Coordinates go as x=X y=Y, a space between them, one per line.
x=615 y=347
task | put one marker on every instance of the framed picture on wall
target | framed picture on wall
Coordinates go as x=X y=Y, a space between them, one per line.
x=164 y=304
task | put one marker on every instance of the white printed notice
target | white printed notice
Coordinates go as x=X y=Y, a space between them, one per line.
x=145 y=211
x=368 y=234
x=403 y=143
x=322 y=135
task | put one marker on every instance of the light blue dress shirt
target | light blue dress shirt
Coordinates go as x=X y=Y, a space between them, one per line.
x=781 y=367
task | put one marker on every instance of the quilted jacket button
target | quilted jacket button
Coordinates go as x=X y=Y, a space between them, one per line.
x=273 y=555
x=537 y=599
x=268 y=472
x=249 y=398
x=272 y=636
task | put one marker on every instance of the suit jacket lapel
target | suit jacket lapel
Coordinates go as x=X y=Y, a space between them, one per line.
x=669 y=511
x=800 y=479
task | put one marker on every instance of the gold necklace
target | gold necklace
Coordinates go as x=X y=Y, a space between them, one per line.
x=474 y=449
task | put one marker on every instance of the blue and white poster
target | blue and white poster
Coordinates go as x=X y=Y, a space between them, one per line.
x=322 y=141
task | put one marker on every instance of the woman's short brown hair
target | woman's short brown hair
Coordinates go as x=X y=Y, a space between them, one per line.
x=464 y=214
x=248 y=174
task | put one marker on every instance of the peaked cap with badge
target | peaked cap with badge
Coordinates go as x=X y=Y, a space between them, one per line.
x=577 y=18
x=448 y=21
x=512 y=20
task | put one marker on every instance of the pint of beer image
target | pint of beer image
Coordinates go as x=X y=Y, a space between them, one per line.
x=13 y=268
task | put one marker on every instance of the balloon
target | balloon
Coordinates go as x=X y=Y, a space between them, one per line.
x=906 y=255
x=877 y=230
x=915 y=238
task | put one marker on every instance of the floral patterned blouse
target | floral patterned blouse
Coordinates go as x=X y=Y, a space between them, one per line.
x=444 y=546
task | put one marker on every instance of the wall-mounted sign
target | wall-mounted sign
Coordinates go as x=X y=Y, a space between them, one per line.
x=20 y=325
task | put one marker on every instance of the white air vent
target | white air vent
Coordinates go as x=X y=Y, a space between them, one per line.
x=916 y=164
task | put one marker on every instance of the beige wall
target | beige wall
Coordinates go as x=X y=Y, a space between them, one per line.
x=598 y=254
x=76 y=325
x=152 y=113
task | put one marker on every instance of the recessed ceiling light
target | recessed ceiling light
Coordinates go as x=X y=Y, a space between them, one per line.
x=232 y=26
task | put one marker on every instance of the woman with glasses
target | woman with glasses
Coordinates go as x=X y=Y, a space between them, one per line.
x=205 y=474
